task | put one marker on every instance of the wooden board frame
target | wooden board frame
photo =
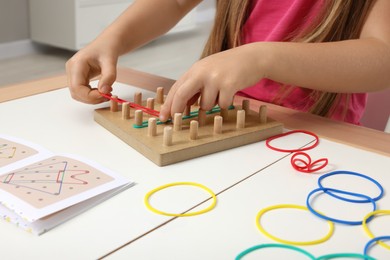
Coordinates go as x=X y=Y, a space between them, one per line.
x=183 y=148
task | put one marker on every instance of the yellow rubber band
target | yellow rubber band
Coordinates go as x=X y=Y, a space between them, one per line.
x=150 y=193
x=365 y=227
x=303 y=243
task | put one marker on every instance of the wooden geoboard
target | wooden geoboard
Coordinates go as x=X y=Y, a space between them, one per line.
x=255 y=126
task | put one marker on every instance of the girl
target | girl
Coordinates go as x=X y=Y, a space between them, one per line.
x=334 y=50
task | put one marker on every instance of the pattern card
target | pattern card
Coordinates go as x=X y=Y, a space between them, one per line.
x=33 y=190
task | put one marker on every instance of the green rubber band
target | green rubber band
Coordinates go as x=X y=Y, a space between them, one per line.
x=261 y=246
x=192 y=115
x=345 y=255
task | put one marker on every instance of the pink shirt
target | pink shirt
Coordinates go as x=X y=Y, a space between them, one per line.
x=275 y=21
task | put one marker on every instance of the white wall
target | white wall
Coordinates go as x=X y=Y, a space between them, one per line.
x=13 y=20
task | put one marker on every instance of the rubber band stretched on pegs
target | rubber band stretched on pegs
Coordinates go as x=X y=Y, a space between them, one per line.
x=375 y=239
x=268 y=141
x=262 y=230
x=344 y=255
x=354 y=174
x=261 y=246
x=133 y=105
x=150 y=193
x=308 y=166
x=337 y=191
x=192 y=115
x=365 y=227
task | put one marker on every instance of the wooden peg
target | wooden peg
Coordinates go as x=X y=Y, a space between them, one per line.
x=263 y=114
x=167 y=136
x=218 y=124
x=245 y=106
x=152 y=126
x=114 y=104
x=240 y=119
x=202 y=117
x=194 y=126
x=150 y=103
x=125 y=110
x=177 y=122
x=160 y=95
x=225 y=114
x=138 y=117
x=138 y=98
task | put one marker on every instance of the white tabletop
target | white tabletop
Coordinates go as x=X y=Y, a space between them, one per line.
x=230 y=228
x=245 y=179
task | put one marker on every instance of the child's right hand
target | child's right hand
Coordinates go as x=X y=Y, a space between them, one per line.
x=141 y=22
x=95 y=60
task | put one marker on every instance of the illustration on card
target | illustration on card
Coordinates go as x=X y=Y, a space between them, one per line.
x=11 y=152
x=52 y=180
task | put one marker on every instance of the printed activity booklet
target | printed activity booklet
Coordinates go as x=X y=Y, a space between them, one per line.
x=40 y=190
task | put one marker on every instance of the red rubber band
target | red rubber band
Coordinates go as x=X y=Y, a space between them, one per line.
x=308 y=166
x=268 y=141
x=133 y=105
x=297 y=166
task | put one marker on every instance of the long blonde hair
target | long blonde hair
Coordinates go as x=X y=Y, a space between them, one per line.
x=338 y=20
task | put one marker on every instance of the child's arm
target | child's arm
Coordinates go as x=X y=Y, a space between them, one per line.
x=141 y=22
x=360 y=65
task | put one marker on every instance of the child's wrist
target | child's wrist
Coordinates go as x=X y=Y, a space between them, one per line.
x=262 y=57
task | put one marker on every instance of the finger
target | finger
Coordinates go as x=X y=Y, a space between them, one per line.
x=225 y=99
x=183 y=95
x=208 y=98
x=165 y=110
x=78 y=76
x=108 y=77
x=166 y=107
x=178 y=98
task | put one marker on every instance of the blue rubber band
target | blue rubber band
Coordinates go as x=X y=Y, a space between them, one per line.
x=345 y=255
x=355 y=174
x=346 y=222
x=375 y=239
x=261 y=246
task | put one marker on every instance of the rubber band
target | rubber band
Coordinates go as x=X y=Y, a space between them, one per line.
x=110 y=97
x=308 y=165
x=262 y=230
x=337 y=191
x=192 y=115
x=375 y=239
x=150 y=193
x=365 y=227
x=133 y=105
x=355 y=174
x=257 y=247
x=345 y=255
x=268 y=141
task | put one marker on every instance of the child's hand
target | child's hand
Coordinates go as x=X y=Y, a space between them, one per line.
x=93 y=61
x=216 y=78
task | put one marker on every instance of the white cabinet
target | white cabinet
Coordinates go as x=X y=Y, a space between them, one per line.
x=72 y=24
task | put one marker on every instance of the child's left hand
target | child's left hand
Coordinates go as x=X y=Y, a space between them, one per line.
x=216 y=78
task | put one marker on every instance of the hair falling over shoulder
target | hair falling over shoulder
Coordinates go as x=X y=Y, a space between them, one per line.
x=339 y=20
